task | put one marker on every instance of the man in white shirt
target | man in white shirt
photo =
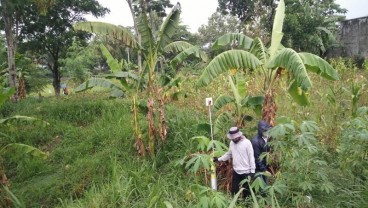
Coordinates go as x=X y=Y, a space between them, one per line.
x=241 y=151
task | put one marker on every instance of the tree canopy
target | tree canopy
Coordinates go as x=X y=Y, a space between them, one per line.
x=308 y=24
x=51 y=34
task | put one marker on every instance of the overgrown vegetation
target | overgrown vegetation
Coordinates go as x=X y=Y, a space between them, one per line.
x=92 y=161
x=141 y=138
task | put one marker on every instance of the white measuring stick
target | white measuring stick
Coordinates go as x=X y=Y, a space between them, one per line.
x=209 y=103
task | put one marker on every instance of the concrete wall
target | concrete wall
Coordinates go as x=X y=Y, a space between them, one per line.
x=353 y=38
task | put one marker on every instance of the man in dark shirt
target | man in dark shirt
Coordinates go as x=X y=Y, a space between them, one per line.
x=260 y=145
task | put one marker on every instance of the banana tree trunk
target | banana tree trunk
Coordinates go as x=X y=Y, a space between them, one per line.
x=162 y=126
x=139 y=142
x=3 y=194
x=269 y=107
x=151 y=125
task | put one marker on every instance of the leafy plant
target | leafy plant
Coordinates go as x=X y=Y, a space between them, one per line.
x=297 y=150
x=241 y=103
x=202 y=160
x=271 y=62
x=151 y=48
x=13 y=148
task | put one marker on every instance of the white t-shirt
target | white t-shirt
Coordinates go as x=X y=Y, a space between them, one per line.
x=243 y=156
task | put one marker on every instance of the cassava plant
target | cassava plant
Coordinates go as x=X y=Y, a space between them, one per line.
x=299 y=152
x=271 y=62
x=200 y=161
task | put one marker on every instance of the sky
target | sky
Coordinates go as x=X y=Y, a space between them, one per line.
x=196 y=12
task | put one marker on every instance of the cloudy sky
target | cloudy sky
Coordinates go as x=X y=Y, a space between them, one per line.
x=196 y=12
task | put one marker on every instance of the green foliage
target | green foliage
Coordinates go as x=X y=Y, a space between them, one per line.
x=109 y=30
x=233 y=59
x=311 y=25
x=117 y=91
x=205 y=197
x=203 y=160
x=244 y=10
x=274 y=60
x=217 y=26
x=55 y=33
x=92 y=161
x=79 y=61
x=237 y=40
x=353 y=146
x=241 y=103
x=298 y=151
x=15 y=148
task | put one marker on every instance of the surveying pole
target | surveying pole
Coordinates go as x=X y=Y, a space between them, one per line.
x=209 y=103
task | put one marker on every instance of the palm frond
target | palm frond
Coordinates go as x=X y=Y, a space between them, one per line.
x=98 y=82
x=259 y=50
x=242 y=41
x=109 y=30
x=318 y=65
x=113 y=63
x=23 y=149
x=226 y=61
x=147 y=40
x=290 y=60
x=222 y=123
x=177 y=46
x=221 y=101
x=194 y=50
x=5 y=94
x=277 y=28
x=169 y=27
x=22 y=118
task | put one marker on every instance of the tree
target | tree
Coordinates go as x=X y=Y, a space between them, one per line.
x=8 y=13
x=183 y=50
x=303 y=22
x=80 y=60
x=151 y=7
x=241 y=102
x=271 y=62
x=152 y=47
x=255 y=15
x=52 y=34
x=217 y=26
x=11 y=14
x=311 y=25
x=243 y=9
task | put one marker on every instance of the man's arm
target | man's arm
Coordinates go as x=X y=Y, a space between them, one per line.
x=226 y=156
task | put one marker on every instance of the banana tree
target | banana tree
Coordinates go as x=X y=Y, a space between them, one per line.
x=271 y=62
x=128 y=81
x=183 y=50
x=241 y=103
x=151 y=47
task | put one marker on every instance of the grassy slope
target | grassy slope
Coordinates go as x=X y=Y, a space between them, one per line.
x=92 y=156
